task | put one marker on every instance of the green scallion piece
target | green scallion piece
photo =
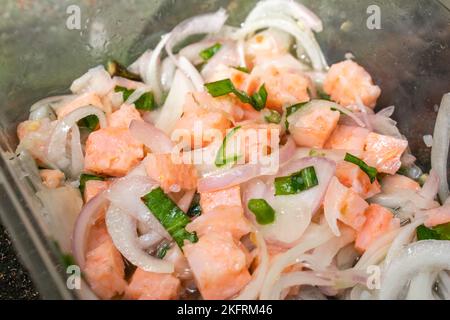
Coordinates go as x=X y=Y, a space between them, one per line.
x=172 y=218
x=162 y=249
x=300 y=181
x=146 y=101
x=440 y=232
x=370 y=171
x=90 y=122
x=223 y=87
x=208 y=53
x=263 y=212
x=221 y=157
x=87 y=177
x=273 y=117
x=292 y=109
x=242 y=69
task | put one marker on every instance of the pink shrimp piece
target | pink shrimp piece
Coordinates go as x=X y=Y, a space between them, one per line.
x=351 y=176
x=152 y=286
x=219 y=266
x=313 y=128
x=346 y=82
x=123 y=117
x=222 y=219
x=82 y=101
x=227 y=197
x=34 y=136
x=173 y=177
x=267 y=44
x=398 y=182
x=94 y=187
x=284 y=87
x=384 y=152
x=112 y=152
x=105 y=270
x=379 y=221
x=347 y=138
x=438 y=216
x=51 y=178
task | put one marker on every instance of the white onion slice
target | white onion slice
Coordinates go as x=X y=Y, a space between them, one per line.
x=313 y=237
x=77 y=161
x=122 y=229
x=156 y=140
x=206 y=23
x=126 y=194
x=168 y=69
x=253 y=288
x=294 y=212
x=297 y=279
x=141 y=64
x=153 y=76
x=287 y=7
x=421 y=256
x=404 y=237
x=97 y=80
x=304 y=37
x=90 y=213
x=57 y=145
x=441 y=140
x=421 y=286
x=430 y=188
x=172 y=110
x=192 y=73
x=149 y=240
x=185 y=202
x=137 y=94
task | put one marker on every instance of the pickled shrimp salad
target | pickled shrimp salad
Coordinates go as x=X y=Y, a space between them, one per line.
x=240 y=166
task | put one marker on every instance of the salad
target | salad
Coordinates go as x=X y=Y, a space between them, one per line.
x=240 y=166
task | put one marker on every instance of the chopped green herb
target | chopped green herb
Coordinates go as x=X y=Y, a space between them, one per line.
x=300 y=181
x=260 y=98
x=292 y=109
x=85 y=178
x=116 y=69
x=222 y=87
x=195 y=209
x=242 y=69
x=263 y=212
x=89 y=122
x=273 y=117
x=66 y=259
x=221 y=157
x=162 y=249
x=370 y=171
x=145 y=102
x=208 y=53
x=440 y=232
x=173 y=219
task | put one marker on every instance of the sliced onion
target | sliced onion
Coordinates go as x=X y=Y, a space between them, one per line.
x=97 y=80
x=58 y=140
x=149 y=240
x=253 y=288
x=304 y=37
x=126 y=194
x=76 y=150
x=294 y=212
x=421 y=286
x=168 y=69
x=227 y=56
x=297 y=279
x=192 y=51
x=430 y=188
x=206 y=23
x=45 y=108
x=172 y=110
x=88 y=216
x=331 y=204
x=325 y=253
x=153 y=75
x=404 y=237
x=152 y=137
x=192 y=73
x=421 y=256
x=185 y=202
x=243 y=173
x=122 y=229
x=287 y=7
x=441 y=140
x=314 y=236
x=141 y=64
x=137 y=94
